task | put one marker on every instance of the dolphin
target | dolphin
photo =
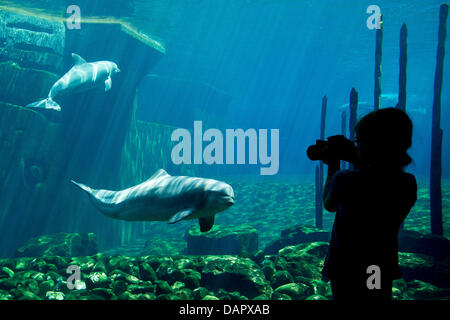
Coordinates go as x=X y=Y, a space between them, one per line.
x=81 y=77
x=165 y=198
x=365 y=107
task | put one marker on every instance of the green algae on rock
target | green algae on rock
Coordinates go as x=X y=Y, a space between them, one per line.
x=296 y=235
x=222 y=239
x=292 y=274
x=235 y=274
x=59 y=244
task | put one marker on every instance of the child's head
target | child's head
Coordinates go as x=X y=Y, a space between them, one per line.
x=383 y=138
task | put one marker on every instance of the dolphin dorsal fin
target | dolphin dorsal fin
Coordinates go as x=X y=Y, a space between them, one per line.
x=77 y=59
x=159 y=173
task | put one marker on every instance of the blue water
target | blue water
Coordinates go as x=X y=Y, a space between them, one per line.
x=235 y=64
x=277 y=59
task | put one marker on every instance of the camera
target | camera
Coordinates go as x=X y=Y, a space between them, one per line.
x=334 y=148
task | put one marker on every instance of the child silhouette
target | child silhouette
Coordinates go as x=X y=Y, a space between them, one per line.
x=371 y=201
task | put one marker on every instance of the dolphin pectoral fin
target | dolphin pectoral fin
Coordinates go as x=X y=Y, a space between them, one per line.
x=180 y=215
x=77 y=59
x=108 y=84
x=206 y=223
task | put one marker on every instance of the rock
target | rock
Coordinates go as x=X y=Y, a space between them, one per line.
x=193 y=279
x=45 y=286
x=58 y=261
x=119 y=287
x=52 y=295
x=60 y=244
x=147 y=272
x=162 y=287
x=225 y=295
x=55 y=276
x=31 y=41
x=61 y=286
x=86 y=264
x=106 y=294
x=234 y=274
x=280 y=296
x=303 y=260
x=416 y=242
x=80 y=285
x=101 y=263
x=184 y=263
x=200 y=292
x=222 y=240
x=170 y=274
x=22 y=264
x=15 y=78
x=321 y=288
x=26 y=295
x=281 y=277
x=420 y=290
x=115 y=275
x=6 y=272
x=183 y=294
x=414 y=266
x=155 y=262
x=166 y=246
x=32 y=286
x=257 y=256
x=316 y=297
x=9 y=263
x=177 y=285
x=295 y=291
x=209 y=297
x=143 y=288
x=5 y=295
x=296 y=235
x=8 y=284
x=97 y=280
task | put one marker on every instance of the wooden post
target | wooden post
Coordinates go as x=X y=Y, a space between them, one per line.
x=353 y=113
x=353 y=116
x=319 y=199
x=403 y=63
x=436 y=131
x=344 y=133
x=319 y=173
x=378 y=56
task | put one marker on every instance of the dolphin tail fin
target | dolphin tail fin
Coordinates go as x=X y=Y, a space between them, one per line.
x=102 y=203
x=48 y=103
x=83 y=187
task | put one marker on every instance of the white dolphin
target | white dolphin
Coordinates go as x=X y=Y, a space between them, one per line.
x=165 y=198
x=81 y=77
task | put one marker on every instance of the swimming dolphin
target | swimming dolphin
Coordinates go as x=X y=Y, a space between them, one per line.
x=165 y=198
x=365 y=107
x=81 y=77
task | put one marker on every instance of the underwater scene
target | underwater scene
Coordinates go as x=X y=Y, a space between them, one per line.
x=216 y=149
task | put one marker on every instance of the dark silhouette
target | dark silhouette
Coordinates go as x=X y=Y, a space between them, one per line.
x=371 y=201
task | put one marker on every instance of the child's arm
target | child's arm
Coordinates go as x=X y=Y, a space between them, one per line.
x=331 y=203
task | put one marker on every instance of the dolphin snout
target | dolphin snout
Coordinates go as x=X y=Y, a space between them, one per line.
x=229 y=201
